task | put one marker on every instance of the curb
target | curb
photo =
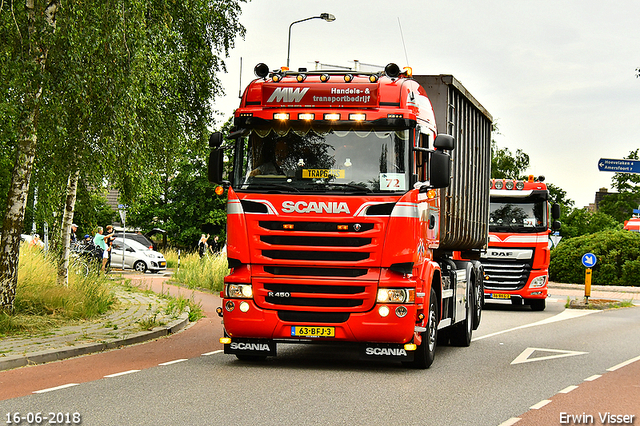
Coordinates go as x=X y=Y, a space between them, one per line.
x=49 y=355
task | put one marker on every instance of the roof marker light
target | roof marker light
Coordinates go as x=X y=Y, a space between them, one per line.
x=301 y=77
x=499 y=184
x=408 y=71
x=324 y=78
x=520 y=185
x=306 y=116
x=276 y=78
x=348 y=78
x=373 y=78
x=509 y=184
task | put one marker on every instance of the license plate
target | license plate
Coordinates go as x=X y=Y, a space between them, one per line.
x=500 y=296
x=306 y=331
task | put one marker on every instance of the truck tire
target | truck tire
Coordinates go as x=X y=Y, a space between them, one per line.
x=462 y=331
x=537 y=304
x=424 y=355
x=478 y=303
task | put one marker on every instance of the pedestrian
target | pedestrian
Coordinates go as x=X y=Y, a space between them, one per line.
x=99 y=241
x=109 y=242
x=74 y=239
x=203 y=246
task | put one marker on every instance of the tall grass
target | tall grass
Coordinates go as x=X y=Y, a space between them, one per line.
x=41 y=303
x=195 y=272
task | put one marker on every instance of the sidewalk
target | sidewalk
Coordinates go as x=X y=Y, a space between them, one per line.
x=623 y=294
x=123 y=325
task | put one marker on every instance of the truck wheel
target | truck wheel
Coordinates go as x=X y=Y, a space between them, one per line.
x=461 y=332
x=423 y=357
x=537 y=304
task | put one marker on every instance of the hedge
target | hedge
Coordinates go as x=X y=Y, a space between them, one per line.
x=618 y=254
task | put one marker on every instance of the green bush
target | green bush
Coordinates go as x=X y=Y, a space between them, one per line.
x=618 y=254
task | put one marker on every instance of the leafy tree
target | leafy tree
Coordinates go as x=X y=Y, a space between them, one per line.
x=583 y=222
x=97 y=89
x=617 y=253
x=504 y=165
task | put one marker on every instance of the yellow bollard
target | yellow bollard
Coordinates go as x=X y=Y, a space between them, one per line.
x=587 y=283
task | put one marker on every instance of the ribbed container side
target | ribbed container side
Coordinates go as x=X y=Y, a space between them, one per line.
x=465 y=212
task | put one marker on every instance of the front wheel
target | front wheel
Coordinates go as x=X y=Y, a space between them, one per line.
x=140 y=266
x=537 y=304
x=424 y=355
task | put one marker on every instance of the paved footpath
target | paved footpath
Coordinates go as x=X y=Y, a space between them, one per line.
x=127 y=323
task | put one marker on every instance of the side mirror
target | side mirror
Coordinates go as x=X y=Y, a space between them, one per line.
x=215 y=140
x=444 y=141
x=556 y=225
x=555 y=211
x=215 y=166
x=439 y=169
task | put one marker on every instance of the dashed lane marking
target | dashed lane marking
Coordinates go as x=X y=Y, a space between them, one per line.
x=540 y=404
x=213 y=353
x=623 y=364
x=68 y=385
x=568 y=389
x=121 y=373
x=173 y=362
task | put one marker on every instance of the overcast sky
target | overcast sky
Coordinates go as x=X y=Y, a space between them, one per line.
x=557 y=76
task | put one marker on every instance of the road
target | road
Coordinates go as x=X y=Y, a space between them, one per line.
x=518 y=359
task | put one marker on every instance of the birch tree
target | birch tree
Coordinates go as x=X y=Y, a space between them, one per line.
x=98 y=88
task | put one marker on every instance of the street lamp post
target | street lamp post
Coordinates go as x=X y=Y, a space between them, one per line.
x=325 y=16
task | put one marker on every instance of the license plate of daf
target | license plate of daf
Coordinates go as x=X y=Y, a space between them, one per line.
x=307 y=331
x=500 y=296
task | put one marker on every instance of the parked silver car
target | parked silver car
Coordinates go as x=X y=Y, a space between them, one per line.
x=136 y=256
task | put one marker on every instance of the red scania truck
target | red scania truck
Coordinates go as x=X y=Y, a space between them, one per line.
x=516 y=264
x=349 y=218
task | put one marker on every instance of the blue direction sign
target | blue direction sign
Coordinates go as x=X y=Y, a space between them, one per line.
x=589 y=259
x=619 y=166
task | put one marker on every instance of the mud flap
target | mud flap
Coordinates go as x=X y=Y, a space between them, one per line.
x=386 y=351
x=251 y=347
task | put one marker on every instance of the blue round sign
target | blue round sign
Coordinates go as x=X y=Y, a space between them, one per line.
x=589 y=259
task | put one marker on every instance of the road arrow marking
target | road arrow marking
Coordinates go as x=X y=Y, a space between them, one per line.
x=524 y=356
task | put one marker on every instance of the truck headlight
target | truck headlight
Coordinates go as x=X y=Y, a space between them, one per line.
x=396 y=295
x=538 y=282
x=239 y=291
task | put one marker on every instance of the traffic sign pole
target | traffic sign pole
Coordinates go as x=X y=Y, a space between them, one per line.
x=587 y=284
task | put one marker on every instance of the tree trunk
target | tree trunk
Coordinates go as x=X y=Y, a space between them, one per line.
x=67 y=220
x=16 y=203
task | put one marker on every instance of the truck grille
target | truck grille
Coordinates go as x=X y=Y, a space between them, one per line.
x=506 y=275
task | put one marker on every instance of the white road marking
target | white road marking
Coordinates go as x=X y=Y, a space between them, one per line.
x=592 y=378
x=568 y=389
x=213 y=353
x=511 y=421
x=540 y=404
x=623 y=364
x=524 y=356
x=122 y=373
x=173 y=362
x=68 y=385
x=564 y=315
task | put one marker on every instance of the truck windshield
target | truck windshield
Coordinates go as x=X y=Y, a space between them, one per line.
x=370 y=161
x=509 y=215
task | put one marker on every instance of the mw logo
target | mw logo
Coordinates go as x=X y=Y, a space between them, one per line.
x=287 y=94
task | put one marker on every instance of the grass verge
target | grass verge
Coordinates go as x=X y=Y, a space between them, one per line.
x=194 y=272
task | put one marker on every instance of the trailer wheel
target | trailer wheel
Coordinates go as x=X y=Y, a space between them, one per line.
x=424 y=355
x=461 y=332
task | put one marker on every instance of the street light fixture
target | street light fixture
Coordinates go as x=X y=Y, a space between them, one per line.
x=325 y=16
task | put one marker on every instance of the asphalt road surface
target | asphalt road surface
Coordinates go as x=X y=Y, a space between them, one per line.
x=518 y=359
